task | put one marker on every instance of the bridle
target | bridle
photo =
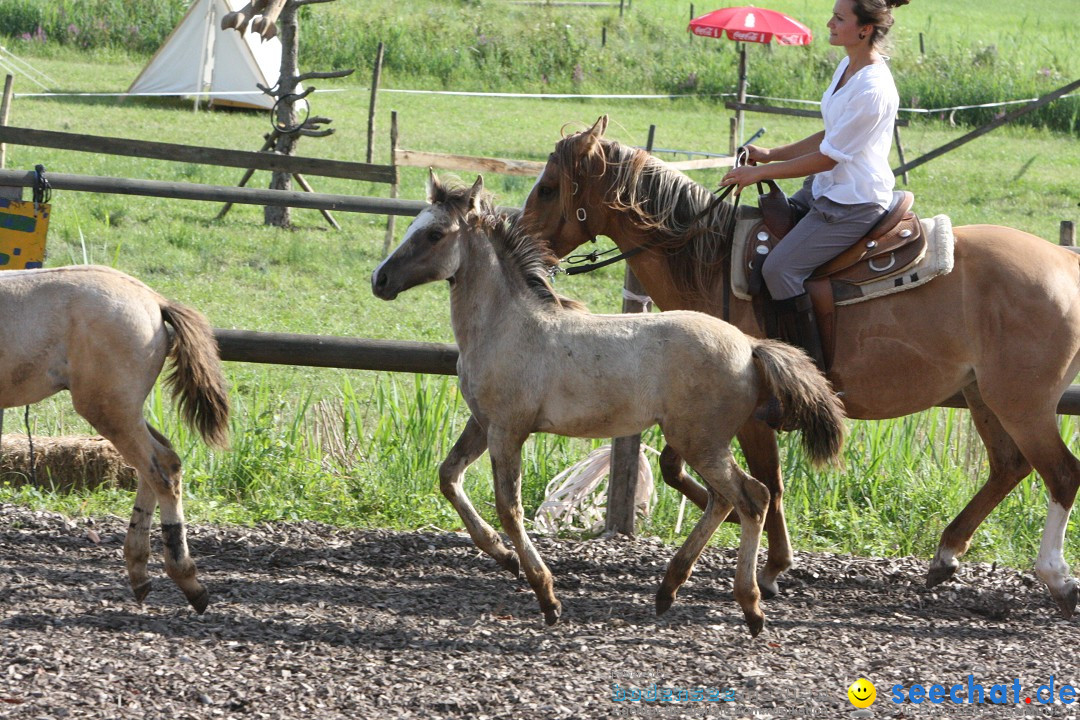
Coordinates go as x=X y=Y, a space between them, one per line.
x=578 y=262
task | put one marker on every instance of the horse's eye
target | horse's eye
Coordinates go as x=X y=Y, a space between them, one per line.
x=435 y=236
x=547 y=192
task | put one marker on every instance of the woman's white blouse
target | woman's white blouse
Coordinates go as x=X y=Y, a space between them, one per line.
x=859 y=121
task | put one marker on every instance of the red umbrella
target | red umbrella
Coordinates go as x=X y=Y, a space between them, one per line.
x=750 y=24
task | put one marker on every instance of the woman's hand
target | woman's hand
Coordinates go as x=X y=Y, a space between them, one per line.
x=755 y=154
x=743 y=176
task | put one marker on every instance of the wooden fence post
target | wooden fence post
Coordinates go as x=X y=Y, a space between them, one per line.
x=371 y=108
x=394 y=185
x=624 y=480
x=899 y=150
x=740 y=92
x=5 y=108
x=1068 y=234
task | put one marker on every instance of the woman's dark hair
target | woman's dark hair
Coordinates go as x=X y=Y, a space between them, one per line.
x=879 y=14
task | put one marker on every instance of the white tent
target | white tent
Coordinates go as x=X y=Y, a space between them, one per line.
x=200 y=57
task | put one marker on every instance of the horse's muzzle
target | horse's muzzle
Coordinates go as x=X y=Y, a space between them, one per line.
x=380 y=285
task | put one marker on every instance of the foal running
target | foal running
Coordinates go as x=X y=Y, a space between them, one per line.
x=531 y=361
x=101 y=335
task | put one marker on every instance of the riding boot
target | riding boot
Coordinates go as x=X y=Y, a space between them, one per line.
x=791 y=320
x=796 y=324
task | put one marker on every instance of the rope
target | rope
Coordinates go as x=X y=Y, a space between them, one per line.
x=643 y=300
x=30 y=441
x=289 y=129
x=42 y=188
x=541 y=96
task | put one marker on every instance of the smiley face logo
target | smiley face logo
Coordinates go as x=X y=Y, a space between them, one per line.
x=862 y=693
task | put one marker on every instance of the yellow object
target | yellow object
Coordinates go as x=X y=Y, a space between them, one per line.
x=862 y=693
x=23 y=226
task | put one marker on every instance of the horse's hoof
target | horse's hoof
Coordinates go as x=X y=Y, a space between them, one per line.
x=200 y=600
x=512 y=565
x=1067 y=601
x=755 y=623
x=938 y=574
x=141 y=592
x=769 y=589
x=552 y=614
x=663 y=601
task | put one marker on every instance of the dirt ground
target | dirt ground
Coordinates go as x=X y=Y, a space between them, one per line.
x=310 y=621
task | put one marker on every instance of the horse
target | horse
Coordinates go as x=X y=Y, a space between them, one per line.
x=1003 y=328
x=102 y=335
x=531 y=361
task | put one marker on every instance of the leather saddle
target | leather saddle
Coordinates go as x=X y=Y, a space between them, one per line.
x=894 y=244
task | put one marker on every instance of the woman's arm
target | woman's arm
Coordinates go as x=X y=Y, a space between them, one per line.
x=786 y=152
x=808 y=164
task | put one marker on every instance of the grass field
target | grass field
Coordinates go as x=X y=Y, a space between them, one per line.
x=963 y=52
x=361 y=448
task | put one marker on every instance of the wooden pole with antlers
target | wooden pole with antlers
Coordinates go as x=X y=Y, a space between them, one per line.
x=277 y=18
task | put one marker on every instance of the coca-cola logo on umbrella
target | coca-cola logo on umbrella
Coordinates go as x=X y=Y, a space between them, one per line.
x=745 y=36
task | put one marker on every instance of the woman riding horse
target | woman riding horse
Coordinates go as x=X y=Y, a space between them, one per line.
x=849 y=183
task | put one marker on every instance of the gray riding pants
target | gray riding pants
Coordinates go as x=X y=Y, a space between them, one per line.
x=826 y=229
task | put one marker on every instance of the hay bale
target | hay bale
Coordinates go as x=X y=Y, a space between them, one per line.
x=64 y=463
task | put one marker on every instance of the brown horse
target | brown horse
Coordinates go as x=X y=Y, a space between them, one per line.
x=531 y=362
x=1003 y=328
x=102 y=335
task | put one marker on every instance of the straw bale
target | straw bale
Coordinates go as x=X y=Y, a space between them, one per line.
x=64 y=463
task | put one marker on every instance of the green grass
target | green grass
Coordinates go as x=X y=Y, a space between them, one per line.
x=361 y=448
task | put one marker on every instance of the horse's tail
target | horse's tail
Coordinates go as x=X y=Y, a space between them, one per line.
x=196 y=379
x=808 y=401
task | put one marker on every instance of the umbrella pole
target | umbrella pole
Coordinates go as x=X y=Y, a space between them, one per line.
x=741 y=93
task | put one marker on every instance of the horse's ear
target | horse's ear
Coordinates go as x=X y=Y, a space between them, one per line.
x=474 y=194
x=591 y=137
x=598 y=128
x=435 y=191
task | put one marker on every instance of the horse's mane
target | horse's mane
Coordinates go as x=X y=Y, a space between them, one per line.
x=529 y=257
x=518 y=251
x=659 y=200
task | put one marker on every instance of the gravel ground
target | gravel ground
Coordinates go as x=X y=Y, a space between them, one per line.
x=311 y=621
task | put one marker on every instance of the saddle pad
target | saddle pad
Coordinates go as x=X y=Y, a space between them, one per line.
x=747 y=218
x=938 y=260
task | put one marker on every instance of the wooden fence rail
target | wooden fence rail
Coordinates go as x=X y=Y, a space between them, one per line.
x=245 y=159
x=217 y=193
x=337 y=352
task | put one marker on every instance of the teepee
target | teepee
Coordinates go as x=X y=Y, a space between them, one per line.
x=200 y=59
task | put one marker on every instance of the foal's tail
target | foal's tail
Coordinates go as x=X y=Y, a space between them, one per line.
x=808 y=401
x=196 y=380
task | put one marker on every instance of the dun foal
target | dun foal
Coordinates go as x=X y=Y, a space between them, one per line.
x=101 y=335
x=533 y=362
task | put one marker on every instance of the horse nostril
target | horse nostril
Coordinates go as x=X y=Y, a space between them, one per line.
x=381 y=280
